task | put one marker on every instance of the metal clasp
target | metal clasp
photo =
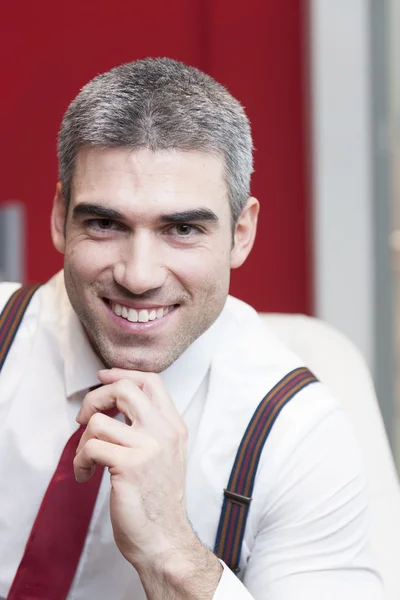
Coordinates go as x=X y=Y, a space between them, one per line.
x=238 y=498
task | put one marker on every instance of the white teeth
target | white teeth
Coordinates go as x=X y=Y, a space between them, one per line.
x=132 y=315
x=143 y=316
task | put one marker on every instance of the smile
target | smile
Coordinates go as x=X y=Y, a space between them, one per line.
x=142 y=315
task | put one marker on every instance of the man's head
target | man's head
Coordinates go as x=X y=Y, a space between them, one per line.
x=153 y=208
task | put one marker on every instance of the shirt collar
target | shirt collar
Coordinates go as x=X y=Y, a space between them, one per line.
x=81 y=363
x=182 y=379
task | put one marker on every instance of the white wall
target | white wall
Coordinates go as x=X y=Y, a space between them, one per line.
x=342 y=181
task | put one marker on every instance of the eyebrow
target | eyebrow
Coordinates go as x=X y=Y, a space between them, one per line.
x=197 y=214
x=85 y=209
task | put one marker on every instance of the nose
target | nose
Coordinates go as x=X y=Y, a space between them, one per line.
x=141 y=269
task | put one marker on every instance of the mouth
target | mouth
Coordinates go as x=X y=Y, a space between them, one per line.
x=139 y=316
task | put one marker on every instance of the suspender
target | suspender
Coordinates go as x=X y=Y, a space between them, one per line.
x=12 y=316
x=237 y=496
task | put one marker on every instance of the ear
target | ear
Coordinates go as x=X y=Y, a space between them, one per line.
x=58 y=216
x=245 y=233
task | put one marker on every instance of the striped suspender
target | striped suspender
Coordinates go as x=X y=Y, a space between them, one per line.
x=12 y=316
x=237 y=496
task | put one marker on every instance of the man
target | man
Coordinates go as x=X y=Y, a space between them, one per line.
x=151 y=212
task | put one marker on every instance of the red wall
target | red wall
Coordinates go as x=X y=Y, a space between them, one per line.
x=256 y=48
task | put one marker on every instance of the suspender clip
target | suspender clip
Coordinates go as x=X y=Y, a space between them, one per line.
x=238 y=498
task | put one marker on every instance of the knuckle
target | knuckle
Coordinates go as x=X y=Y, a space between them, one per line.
x=155 y=448
x=96 y=422
x=89 y=447
x=90 y=395
x=173 y=436
x=123 y=387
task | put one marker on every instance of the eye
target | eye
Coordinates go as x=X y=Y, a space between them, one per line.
x=184 y=229
x=103 y=225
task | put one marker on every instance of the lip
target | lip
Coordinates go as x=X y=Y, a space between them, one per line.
x=132 y=327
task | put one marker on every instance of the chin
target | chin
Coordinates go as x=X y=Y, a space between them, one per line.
x=145 y=364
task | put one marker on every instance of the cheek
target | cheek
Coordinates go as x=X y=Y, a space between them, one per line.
x=201 y=269
x=88 y=259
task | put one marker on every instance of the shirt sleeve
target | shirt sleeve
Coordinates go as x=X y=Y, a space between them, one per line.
x=230 y=587
x=312 y=539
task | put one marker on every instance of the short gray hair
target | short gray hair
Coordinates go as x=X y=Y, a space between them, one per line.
x=159 y=104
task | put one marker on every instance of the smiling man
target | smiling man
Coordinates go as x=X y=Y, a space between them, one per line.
x=139 y=343
x=148 y=250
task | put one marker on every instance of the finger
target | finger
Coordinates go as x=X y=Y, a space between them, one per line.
x=150 y=383
x=124 y=394
x=111 y=375
x=107 y=429
x=153 y=387
x=97 y=452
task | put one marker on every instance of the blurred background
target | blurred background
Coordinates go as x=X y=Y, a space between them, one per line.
x=320 y=81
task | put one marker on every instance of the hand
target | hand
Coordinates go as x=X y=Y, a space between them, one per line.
x=146 y=458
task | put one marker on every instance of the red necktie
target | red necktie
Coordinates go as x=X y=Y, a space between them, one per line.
x=54 y=547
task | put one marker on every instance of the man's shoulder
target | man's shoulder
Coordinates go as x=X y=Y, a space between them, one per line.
x=257 y=360
x=51 y=288
x=7 y=288
x=240 y=308
x=253 y=336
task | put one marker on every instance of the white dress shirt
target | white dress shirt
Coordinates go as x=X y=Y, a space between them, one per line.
x=308 y=526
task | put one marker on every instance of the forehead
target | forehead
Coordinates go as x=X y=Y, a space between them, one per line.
x=129 y=178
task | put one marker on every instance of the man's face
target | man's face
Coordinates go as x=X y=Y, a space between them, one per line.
x=148 y=251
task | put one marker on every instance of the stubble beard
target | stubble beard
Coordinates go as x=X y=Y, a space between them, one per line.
x=124 y=354
x=116 y=353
